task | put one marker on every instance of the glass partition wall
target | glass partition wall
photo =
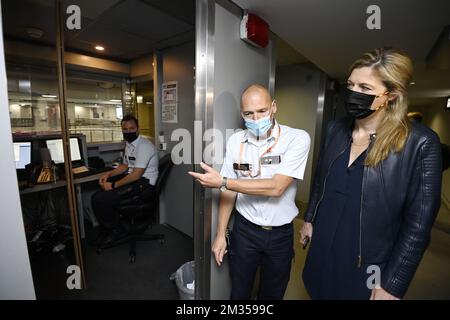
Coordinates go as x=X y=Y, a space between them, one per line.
x=94 y=98
x=34 y=68
x=95 y=108
x=94 y=104
x=74 y=87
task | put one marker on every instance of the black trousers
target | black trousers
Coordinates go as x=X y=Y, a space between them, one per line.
x=106 y=203
x=252 y=247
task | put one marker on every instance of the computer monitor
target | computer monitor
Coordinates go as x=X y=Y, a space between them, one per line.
x=55 y=147
x=22 y=154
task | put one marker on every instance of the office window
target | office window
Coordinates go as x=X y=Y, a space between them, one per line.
x=33 y=99
x=94 y=103
x=92 y=107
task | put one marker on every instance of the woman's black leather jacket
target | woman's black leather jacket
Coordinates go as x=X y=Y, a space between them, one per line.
x=399 y=202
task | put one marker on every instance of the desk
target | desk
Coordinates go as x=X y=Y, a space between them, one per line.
x=62 y=183
x=78 y=182
x=44 y=187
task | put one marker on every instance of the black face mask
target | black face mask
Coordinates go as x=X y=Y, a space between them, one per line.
x=357 y=104
x=129 y=136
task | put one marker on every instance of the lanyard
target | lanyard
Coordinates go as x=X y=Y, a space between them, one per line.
x=241 y=151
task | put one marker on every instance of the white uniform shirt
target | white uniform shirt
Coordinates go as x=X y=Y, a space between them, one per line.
x=141 y=153
x=292 y=147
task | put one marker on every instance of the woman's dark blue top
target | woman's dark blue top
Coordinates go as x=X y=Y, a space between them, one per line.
x=331 y=269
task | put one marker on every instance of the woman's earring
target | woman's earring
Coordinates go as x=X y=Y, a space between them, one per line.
x=381 y=106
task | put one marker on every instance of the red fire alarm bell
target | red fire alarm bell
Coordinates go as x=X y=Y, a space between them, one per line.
x=254 y=30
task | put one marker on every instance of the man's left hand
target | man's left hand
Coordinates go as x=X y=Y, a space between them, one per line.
x=381 y=294
x=210 y=179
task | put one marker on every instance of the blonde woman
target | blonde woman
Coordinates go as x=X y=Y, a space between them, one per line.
x=376 y=191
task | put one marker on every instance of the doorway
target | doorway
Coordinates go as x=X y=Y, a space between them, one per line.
x=111 y=70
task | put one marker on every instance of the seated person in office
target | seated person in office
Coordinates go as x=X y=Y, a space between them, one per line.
x=140 y=166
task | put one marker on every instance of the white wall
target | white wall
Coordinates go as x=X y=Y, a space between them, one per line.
x=236 y=65
x=296 y=91
x=177 y=200
x=110 y=112
x=16 y=281
x=15 y=111
x=80 y=111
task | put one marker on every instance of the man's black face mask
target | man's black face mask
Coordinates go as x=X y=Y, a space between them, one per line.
x=129 y=136
x=357 y=104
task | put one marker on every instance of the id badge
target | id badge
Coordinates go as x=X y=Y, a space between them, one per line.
x=242 y=166
x=270 y=160
x=131 y=160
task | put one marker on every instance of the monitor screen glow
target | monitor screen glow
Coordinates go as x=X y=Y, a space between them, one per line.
x=56 y=150
x=22 y=154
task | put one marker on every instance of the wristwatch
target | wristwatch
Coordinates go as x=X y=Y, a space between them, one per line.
x=223 y=187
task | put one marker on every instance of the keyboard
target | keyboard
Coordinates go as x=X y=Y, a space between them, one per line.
x=91 y=171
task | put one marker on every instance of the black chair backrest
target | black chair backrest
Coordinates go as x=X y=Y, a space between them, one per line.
x=165 y=165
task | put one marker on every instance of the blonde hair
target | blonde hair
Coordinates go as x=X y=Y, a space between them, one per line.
x=394 y=69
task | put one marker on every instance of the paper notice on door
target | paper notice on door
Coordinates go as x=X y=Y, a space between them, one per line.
x=170 y=102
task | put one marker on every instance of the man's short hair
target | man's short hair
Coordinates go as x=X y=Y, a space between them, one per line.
x=415 y=116
x=129 y=117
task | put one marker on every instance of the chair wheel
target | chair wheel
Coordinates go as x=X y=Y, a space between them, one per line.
x=132 y=259
x=161 y=241
x=99 y=251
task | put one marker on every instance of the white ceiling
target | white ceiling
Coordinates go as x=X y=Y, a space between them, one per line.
x=332 y=34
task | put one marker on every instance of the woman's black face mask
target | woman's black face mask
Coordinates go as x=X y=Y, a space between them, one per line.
x=130 y=136
x=357 y=104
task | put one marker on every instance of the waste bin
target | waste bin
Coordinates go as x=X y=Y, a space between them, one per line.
x=185 y=280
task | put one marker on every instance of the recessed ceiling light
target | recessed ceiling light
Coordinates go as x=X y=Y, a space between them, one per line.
x=412 y=83
x=48 y=96
x=99 y=48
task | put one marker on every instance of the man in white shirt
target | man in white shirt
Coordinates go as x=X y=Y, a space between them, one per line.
x=259 y=172
x=138 y=171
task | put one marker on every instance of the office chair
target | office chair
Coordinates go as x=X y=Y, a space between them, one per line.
x=140 y=210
